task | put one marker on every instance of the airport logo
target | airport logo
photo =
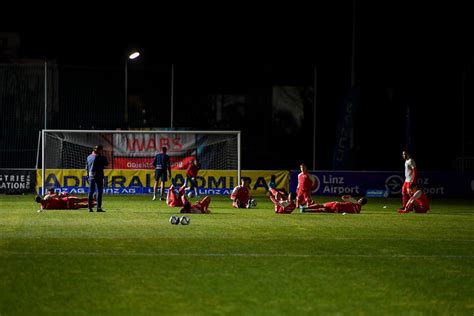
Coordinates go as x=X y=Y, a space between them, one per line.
x=394 y=184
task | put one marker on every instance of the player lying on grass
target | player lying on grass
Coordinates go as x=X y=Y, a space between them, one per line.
x=241 y=196
x=418 y=201
x=173 y=199
x=201 y=207
x=348 y=205
x=62 y=201
x=283 y=204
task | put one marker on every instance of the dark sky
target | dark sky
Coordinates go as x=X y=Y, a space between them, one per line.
x=405 y=55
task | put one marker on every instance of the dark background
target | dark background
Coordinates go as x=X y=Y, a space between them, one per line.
x=417 y=57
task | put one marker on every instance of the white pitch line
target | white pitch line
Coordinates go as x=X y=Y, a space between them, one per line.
x=172 y=254
x=387 y=239
x=276 y=237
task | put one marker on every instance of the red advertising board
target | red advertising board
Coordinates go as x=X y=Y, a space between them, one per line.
x=147 y=163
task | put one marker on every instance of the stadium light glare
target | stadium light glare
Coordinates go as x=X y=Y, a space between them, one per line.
x=134 y=55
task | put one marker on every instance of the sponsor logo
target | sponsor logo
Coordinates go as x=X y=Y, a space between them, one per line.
x=147 y=145
x=316 y=184
x=13 y=182
x=394 y=184
x=337 y=185
x=132 y=182
x=376 y=193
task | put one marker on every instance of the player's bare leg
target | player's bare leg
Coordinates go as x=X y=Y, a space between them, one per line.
x=162 y=192
x=312 y=208
x=194 y=186
x=205 y=201
x=155 y=186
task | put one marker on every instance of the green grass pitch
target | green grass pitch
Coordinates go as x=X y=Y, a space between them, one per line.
x=132 y=261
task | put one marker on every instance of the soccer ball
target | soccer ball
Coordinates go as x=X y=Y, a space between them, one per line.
x=253 y=203
x=185 y=220
x=174 y=220
x=191 y=194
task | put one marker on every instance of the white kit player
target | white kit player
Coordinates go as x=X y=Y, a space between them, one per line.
x=410 y=177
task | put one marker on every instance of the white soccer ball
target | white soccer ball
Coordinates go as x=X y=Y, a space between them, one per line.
x=174 y=220
x=253 y=203
x=185 y=220
x=191 y=194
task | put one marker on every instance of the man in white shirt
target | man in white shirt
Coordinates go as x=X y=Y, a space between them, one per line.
x=410 y=177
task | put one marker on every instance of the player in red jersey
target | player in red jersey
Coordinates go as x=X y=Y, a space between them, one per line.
x=348 y=205
x=201 y=207
x=283 y=204
x=410 y=177
x=191 y=174
x=306 y=183
x=62 y=201
x=418 y=201
x=242 y=194
x=173 y=199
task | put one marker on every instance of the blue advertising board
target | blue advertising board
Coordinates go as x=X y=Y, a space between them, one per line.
x=387 y=183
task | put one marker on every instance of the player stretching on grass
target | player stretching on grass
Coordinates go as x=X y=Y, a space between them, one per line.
x=348 y=205
x=283 y=204
x=242 y=194
x=418 y=201
x=62 y=201
x=173 y=199
x=201 y=207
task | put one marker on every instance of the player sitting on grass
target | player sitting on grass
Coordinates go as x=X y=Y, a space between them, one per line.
x=242 y=194
x=283 y=204
x=173 y=199
x=418 y=201
x=62 y=201
x=348 y=205
x=201 y=207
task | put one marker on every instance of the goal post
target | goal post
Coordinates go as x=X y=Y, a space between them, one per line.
x=219 y=151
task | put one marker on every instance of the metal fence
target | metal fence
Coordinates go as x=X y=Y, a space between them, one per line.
x=36 y=96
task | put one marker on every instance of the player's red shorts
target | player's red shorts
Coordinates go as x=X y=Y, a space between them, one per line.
x=406 y=187
x=304 y=197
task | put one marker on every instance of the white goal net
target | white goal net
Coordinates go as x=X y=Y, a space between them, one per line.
x=68 y=149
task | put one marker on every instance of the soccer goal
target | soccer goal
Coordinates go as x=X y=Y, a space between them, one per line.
x=68 y=149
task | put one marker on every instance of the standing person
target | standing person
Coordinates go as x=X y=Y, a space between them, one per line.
x=303 y=190
x=410 y=177
x=242 y=194
x=95 y=164
x=161 y=164
x=348 y=205
x=191 y=174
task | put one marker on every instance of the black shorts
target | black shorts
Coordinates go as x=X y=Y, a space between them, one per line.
x=160 y=174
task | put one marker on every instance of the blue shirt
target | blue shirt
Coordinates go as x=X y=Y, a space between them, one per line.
x=95 y=166
x=162 y=161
